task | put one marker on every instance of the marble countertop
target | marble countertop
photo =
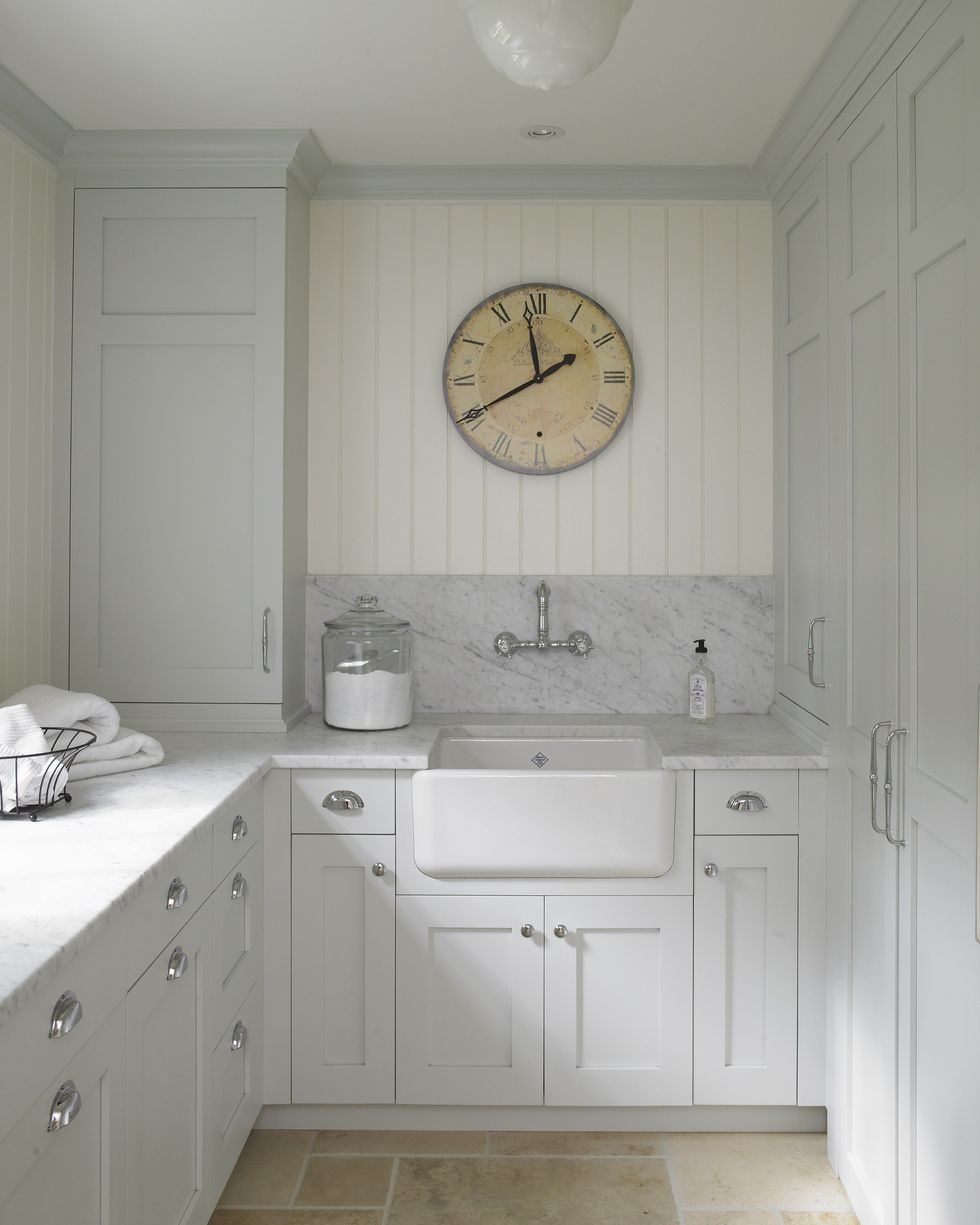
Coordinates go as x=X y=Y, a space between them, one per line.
x=97 y=853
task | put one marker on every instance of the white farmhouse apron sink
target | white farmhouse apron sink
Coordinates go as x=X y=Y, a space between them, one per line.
x=544 y=802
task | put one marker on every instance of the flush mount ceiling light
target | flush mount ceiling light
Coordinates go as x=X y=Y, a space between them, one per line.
x=542 y=131
x=541 y=44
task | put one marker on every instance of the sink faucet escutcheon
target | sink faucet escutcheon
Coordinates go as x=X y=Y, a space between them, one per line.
x=578 y=642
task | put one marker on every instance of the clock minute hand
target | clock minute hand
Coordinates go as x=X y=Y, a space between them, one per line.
x=479 y=409
x=534 y=347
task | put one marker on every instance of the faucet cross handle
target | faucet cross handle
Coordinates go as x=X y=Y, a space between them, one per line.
x=580 y=643
x=506 y=644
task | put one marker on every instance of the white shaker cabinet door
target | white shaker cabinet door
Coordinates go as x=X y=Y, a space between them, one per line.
x=618 y=1001
x=801 y=465
x=745 y=944
x=166 y=1079
x=343 y=968
x=77 y=1172
x=470 y=1000
x=177 y=445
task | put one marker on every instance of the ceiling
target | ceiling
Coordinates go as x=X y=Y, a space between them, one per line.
x=401 y=82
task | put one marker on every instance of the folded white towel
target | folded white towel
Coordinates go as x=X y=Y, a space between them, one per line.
x=62 y=708
x=30 y=780
x=129 y=751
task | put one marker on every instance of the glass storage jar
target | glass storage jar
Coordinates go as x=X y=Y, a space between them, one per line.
x=367 y=669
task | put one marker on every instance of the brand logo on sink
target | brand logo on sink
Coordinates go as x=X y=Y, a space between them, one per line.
x=540 y=760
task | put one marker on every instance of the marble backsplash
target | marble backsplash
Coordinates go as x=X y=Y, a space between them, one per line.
x=643 y=630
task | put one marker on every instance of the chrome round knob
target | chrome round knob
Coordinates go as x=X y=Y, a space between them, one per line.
x=711 y=869
x=527 y=930
x=378 y=868
x=561 y=931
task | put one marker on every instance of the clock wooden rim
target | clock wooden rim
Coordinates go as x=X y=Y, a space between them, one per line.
x=525 y=469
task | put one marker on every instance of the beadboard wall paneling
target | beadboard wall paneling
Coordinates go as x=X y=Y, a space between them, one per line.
x=27 y=191
x=684 y=489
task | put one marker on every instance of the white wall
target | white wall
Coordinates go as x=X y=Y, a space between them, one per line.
x=27 y=190
x=686 y=487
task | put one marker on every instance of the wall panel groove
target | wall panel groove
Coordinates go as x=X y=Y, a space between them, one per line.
x=685 y=488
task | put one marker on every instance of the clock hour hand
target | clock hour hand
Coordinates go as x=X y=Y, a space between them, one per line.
x=479 y=409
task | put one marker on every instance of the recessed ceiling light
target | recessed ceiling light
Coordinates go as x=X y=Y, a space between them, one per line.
x=542 y=131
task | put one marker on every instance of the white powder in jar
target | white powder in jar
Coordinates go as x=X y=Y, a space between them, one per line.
x=370 y=700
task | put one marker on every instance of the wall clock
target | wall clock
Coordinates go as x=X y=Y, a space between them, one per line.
x=538 y=378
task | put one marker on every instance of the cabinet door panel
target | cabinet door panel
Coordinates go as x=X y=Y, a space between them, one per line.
x=165 y=1085
x=802 y=441
x=77 y=1173
x=618 y=1001
x=745 y=939
x=469 y=1000
x=177 y=351
x=343 y=968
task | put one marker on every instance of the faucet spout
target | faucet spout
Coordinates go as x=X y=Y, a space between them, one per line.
x=543 y=592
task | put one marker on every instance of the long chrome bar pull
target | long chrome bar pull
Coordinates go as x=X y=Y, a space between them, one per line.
x=873 y=776
x=811 y=651
x=889 y=787
x=265 y=640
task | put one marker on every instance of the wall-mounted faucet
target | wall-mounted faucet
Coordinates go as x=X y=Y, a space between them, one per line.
x=578 y=642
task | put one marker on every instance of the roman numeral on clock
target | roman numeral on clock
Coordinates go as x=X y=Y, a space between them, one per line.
x=465 y=380
x=603 y=340
x=614 y=376
x=500 y=311
x=575 y=312
x=536 y=304
x=539 y=456
x=605 y=416
x=501 y=445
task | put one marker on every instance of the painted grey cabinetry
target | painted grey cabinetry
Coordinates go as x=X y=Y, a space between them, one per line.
x=188 y=464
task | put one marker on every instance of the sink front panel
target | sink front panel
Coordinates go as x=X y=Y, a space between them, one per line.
x=545 y=754
x=502 y=824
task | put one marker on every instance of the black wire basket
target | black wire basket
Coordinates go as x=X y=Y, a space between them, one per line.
x=32 y=782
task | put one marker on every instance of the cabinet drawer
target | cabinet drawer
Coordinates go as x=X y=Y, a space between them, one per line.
x=236 y=830
x=76 y=1172
x=236 y=1080
x=374 y=789
x=29 y=1057
x=715 y=789
x=235 y=915
x=163 y=907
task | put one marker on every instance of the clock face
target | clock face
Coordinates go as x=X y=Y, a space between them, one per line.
x=538 y=378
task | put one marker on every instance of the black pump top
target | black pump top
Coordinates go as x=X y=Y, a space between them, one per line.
x=700 y=648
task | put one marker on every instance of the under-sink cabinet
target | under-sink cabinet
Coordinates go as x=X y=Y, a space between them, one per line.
x=565 y=1000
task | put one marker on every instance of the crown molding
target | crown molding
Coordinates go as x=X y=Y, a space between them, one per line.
x=30 y=119
x=270 y=155
x=541 y=182
x=862 y=40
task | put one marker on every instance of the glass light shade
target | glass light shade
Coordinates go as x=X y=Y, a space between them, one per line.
x=543 y=43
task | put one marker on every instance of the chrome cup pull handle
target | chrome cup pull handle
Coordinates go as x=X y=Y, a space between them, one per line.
x=65 y=1016
x=177 y=894
x=873 y=775
x=67 y=1103
x=177 y=965
x=343 y=801
x=265 y=640
x=239 y=829
x=811 y=652
x=238 y=887
x=889 y=786
x=747 y=801
x=238 y=1036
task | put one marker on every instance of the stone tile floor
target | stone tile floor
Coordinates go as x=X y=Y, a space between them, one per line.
x=532 y=1178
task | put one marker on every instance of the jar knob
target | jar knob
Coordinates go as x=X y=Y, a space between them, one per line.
x=367 y=601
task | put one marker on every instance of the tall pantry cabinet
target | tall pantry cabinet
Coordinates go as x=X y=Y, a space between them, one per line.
x=188 y=455
x=902 y=410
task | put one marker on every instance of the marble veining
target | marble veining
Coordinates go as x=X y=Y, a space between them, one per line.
x=643 y=630
x=118 y=835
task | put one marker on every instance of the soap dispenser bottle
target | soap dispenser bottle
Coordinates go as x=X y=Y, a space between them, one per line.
x=701 y=685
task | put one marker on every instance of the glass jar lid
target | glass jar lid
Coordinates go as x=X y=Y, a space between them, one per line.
x=366 y=618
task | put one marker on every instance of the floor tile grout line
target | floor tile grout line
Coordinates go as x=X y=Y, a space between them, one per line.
x=668 y=1165
x=303 y=1168
x=386 y=1211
